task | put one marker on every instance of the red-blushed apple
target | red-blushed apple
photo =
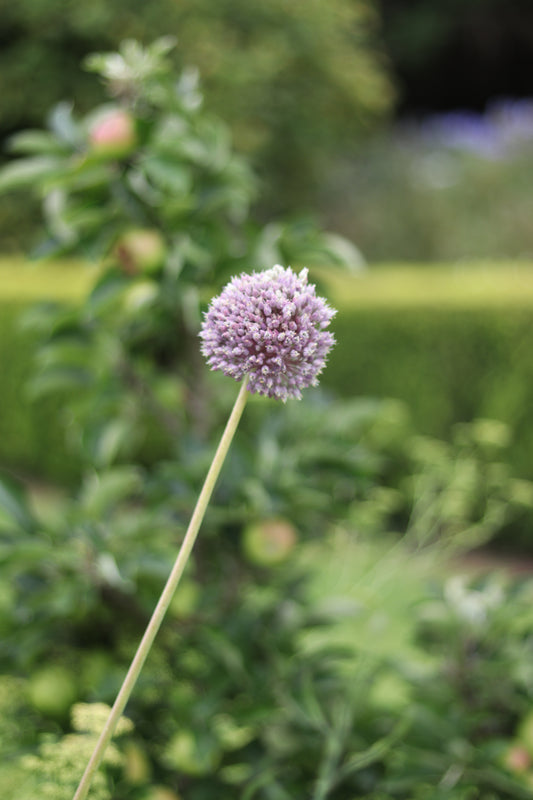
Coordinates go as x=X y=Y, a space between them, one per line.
x=113 y=135
x=141 y=250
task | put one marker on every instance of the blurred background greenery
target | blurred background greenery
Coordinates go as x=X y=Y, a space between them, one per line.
x=257 y=62
x=338 y=634
x=371 y=75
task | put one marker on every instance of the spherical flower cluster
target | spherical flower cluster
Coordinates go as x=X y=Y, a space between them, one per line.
x=270 y=326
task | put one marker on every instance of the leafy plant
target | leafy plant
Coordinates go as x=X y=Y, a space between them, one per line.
x=352 y=667
x=47 y=765
x=151 y=185
x=245 y=691
x=296 y=83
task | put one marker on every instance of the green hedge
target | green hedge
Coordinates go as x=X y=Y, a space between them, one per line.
x=32 y=437
x=453 y=343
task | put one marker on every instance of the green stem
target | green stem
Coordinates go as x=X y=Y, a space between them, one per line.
x=335 y=743
x=166 y=596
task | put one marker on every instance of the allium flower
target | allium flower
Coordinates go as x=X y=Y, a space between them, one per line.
x=270 y=326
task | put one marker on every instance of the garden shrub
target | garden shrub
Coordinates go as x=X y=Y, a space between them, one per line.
x=296 y=83
x=47 y=765
x=149 y=186
x=352 y=667
x=32 y=432
x=452 y=343
x=244 y=692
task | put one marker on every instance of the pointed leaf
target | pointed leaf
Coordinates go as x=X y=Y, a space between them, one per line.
x=25 y=172
x=14 y=510
x=107 y=489
x=59 y=379
x=64 y=126
x=36 y=143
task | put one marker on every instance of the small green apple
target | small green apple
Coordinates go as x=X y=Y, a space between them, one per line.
x=269 y=542
x=187 y=754
x=52 y=691
x=161 y=793
x=185 y=599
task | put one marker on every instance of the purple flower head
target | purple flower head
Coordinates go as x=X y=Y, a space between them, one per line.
x=270 y=326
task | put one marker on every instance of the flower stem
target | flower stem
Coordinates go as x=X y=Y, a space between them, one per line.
x=166 y=595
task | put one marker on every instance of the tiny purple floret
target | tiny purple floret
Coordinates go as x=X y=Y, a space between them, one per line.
x=270 y=326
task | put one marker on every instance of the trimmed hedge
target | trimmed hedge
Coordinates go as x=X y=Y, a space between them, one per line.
x=453 y=343
x=32 y=437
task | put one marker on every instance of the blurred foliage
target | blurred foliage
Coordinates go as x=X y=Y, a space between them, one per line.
x=32 y=432
x=296 y=82
x=454 y=187
x=335 y=673
x=150 y=186
x=382 y=311
x=249 y=690
x=47 y=764
x=462 y=492
x=450 y=356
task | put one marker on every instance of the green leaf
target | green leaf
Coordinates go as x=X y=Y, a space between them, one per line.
x=64 y=126
x=83 y=173
x=343 y=252
x=65 y=352
x=174 y=139
x=107 y=291
x=376 y=751
x=168 y=175
x=110 y=441
x=14 y=510
x=28 y=551
x=48 y=248
x=225 y=652
x=104 y=490
x=133 y=63
x=59 y=379
x=24 y=173
x=36 y=143
x=39 y=318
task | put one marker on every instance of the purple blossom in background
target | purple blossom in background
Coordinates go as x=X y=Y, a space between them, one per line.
x=270 y=326
x=506 y=125
x=463 y=130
